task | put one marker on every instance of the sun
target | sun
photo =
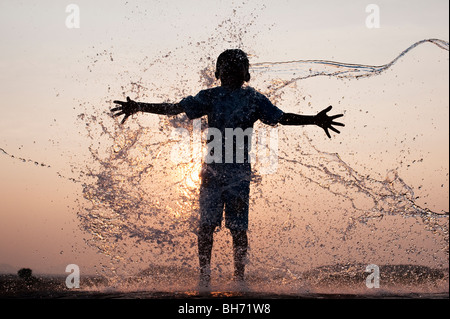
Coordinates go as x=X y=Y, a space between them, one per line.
x=193 y=170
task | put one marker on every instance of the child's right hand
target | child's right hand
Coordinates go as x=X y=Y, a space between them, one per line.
x=127 y=108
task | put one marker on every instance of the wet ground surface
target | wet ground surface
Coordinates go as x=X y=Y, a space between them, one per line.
x=215 y=295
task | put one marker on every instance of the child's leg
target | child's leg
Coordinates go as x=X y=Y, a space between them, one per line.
x=205 y=244
x=240 y=245
x=236 y=220
x=211 y=211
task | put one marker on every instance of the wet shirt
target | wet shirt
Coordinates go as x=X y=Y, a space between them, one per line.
x=231 y=115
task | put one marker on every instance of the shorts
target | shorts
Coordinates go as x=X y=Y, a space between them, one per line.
x=225 y=187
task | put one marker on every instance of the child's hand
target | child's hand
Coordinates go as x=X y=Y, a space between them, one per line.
x=126 y=108
x=326 y=122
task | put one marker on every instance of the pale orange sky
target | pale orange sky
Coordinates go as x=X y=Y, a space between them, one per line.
x=50 y=74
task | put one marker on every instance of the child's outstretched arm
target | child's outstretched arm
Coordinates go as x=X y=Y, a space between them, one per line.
x=321 y=119
x=131 y=107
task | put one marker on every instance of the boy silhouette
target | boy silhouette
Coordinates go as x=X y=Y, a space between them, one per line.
x=226 y=183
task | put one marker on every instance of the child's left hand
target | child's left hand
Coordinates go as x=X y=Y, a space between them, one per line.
x=326 y=122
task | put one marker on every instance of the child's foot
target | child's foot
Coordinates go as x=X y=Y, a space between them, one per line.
x=239 y=284
x=204 y=283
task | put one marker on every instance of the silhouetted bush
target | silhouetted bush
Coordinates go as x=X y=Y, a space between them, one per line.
x=25 y=273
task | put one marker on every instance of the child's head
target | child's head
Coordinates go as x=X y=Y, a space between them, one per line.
x=233 y=68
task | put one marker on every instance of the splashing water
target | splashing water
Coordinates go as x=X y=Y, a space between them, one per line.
x=142 y=208
x=293 y=71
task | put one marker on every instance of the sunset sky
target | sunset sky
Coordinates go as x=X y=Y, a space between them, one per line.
x=50 y=73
